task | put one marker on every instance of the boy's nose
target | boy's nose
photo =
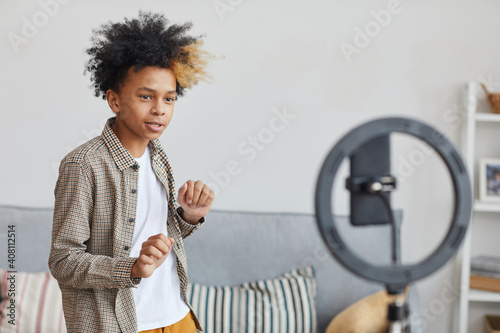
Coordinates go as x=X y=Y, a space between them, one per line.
x=159 y=109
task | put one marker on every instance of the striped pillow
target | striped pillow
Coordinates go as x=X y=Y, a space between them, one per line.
x=284 y=304
x=38 y=303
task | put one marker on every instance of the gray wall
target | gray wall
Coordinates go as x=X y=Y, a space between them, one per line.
x=306 y=59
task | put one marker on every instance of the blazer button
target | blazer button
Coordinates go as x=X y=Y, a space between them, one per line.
x=131 y=220
x=126 y=248
x=135 y=167
x=134 y=191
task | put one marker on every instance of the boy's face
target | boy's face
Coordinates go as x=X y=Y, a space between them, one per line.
x=144 y=105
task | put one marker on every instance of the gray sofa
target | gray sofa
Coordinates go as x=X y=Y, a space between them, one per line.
x=235 y=247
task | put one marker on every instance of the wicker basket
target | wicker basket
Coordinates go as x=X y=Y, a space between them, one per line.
x=493 y=99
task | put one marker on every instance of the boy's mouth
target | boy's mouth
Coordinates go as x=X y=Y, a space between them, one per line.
x=154 y=126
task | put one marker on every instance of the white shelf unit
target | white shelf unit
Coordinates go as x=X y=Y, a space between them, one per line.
x=483 y=296
x=480 y=206
x=473 y=120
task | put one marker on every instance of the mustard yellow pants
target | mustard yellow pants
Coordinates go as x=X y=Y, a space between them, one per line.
x=186 y=325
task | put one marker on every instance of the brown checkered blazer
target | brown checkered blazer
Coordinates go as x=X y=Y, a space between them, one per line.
x=94 y=218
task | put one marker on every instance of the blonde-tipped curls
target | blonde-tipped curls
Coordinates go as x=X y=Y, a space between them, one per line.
x=190 y=65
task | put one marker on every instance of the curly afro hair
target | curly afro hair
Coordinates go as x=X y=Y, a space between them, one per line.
x=146 y=41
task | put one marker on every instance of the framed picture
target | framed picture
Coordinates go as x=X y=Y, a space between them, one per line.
x=489 y=180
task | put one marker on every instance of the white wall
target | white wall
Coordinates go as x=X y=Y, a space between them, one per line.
x=279 y=56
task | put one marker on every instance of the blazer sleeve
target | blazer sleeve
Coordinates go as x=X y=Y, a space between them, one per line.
x=69 y=262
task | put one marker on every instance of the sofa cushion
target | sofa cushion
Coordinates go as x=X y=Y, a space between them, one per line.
x=37 y=306
x=368 y=315
x=283 y=304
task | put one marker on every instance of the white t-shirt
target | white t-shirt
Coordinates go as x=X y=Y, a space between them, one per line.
x=158 y=300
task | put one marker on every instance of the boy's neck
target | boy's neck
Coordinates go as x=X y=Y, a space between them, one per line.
x=135 y=146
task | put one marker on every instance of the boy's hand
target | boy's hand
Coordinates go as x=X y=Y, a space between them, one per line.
x=195 y=199
x=153 y=253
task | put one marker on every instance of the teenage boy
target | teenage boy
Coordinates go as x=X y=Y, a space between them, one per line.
x=117 y=240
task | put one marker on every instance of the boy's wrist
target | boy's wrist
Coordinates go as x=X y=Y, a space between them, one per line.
x=133 y=273
x=191 y=219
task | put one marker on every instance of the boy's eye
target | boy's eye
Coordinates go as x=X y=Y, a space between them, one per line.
x=169 y=99
x=146 y=97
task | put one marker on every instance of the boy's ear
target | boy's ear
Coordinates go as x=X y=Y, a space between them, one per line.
x=113 y=100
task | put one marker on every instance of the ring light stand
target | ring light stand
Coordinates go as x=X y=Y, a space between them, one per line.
x=370 y=185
